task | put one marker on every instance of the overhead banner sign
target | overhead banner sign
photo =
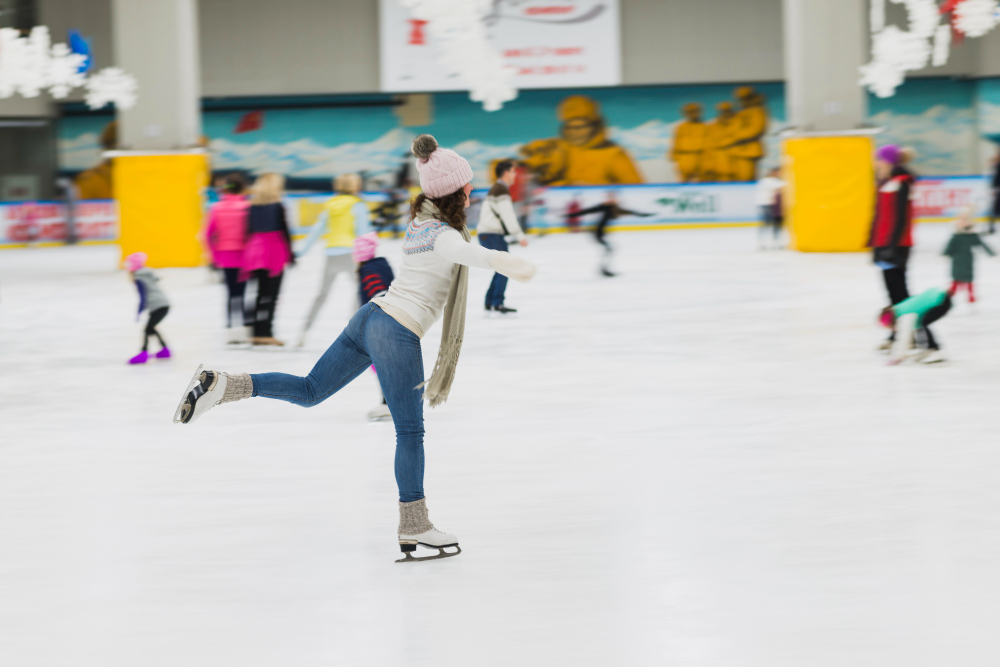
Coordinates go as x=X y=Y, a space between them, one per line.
x=550 y=43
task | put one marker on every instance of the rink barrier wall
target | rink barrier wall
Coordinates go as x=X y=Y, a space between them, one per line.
x=24 y=224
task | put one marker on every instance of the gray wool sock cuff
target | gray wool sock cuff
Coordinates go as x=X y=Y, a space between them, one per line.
x=413 y=518
x=237 y=387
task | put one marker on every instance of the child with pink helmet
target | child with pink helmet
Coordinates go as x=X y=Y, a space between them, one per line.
x=152 y=299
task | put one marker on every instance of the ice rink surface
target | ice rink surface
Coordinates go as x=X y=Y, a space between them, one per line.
x=701 y=462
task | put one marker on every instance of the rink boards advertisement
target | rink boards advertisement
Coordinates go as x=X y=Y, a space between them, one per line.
x=708 y=204
x=25 y=223
x=662 y=207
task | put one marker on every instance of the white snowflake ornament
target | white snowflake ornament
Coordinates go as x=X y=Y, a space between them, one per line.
x=64 y=71
x=975 y=18
x=112 y=85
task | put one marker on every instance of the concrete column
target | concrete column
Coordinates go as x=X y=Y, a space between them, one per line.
x=825 y=44
x=157 y=42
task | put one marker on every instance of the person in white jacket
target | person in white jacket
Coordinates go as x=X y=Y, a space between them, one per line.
x=432 y=278
x=497 y=221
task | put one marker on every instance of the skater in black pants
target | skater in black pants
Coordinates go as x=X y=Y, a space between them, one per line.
x=995 y=184
x=609 y=210
x=268 y=252
x=151 y=299
x=892 y=228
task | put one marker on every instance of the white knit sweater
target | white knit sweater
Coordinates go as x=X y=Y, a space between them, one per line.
x=431 y=249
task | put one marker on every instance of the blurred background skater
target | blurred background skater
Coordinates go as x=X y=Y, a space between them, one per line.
x=434 y=277
x=609 y=210
x=995 y=191
x=573 y=215
x=268 y=251
x=151 y=299
x=226 y=237
x=374 y=277
x=768 y=196
x=959 y=248
x=344 y=218
x=892 y=228
x=497 y=221
x=909 y=321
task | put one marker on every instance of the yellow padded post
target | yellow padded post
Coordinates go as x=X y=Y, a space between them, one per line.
x=830 y=193
x=160 y=206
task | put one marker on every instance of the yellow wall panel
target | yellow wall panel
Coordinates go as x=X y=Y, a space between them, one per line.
x=160 y=204
x=830 y=196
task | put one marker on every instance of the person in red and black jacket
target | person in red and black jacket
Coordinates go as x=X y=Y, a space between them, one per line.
x=892 y=229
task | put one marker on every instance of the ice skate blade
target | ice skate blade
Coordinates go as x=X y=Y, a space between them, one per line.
x=191 y=385
x=410 y=558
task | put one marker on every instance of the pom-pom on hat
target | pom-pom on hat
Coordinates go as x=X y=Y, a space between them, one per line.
x=442 y=171
x=364 y=247
x=890 y=154
x=136 y=261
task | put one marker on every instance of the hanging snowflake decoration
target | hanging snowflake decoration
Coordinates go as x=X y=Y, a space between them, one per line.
x=459 y=32
x=112 y=85
x=975 y=18
x=64 y=71
x=32 y=64
x=896 y=51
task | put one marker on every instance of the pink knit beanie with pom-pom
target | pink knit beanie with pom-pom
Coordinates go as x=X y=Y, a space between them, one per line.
x=442 y=171
x=364 y=247
x=136 y=261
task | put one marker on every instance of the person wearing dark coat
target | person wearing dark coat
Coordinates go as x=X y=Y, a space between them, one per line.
x=960 y=248
x=995 y=185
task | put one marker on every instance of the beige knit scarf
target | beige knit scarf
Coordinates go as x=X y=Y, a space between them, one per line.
x=452 y=324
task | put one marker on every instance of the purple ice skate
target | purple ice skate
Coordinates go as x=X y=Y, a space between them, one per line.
x=164 y=353
x=140 y=358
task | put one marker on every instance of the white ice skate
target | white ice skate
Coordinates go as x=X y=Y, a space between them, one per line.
x=432 y=539
x=204 y=392
x=237 y=335
x=932 y=357
x=379 y=413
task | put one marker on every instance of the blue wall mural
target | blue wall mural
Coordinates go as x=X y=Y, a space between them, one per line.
x=940 y=118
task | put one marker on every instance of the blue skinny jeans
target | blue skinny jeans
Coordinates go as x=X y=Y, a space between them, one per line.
x=370 y=337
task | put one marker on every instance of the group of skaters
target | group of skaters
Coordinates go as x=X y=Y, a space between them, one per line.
x=432 y=283
x=909 y=317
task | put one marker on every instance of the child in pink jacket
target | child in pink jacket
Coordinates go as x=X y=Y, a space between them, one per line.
x=226 y=236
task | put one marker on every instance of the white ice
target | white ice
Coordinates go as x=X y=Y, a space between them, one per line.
x=701 y=462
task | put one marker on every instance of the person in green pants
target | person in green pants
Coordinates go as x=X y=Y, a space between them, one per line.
x=909 y=320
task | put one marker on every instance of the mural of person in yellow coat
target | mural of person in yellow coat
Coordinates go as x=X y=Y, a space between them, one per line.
x=716 y=165
x=582 y=154
x=689 y=144
x=748 y=135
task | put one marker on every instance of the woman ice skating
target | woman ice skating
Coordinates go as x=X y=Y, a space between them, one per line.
x=892 y=229
x=433 y=278
x=374 y=277
x=226 y=237
x=152 y=299
x=960 y=248
x=344 y=218
x=268 y=251
x=909 y=321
